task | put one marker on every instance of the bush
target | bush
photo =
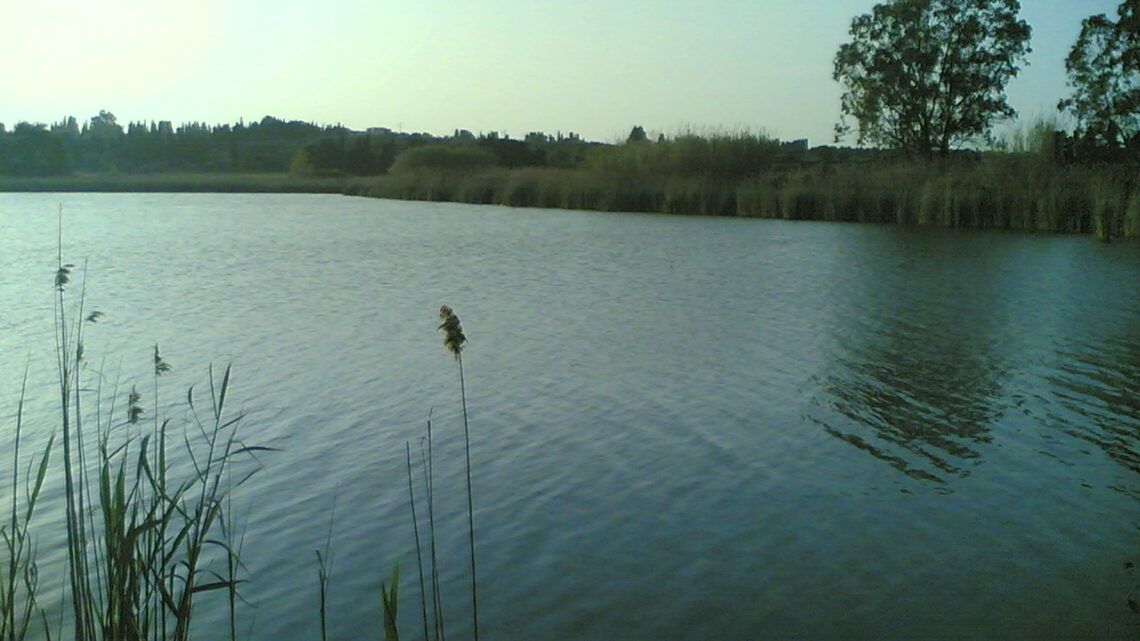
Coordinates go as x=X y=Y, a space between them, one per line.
x=442 y=157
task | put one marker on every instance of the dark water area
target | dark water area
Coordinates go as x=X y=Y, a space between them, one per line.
x=681 y=427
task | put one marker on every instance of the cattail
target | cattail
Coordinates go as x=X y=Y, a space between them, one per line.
x=453 y=338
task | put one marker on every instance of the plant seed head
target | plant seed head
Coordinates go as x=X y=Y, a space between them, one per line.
x=453 y=337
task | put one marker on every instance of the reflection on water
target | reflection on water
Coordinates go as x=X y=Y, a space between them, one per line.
x=917 y=377
x=923 y=410
x=1095 y=399
x=921 y=401
x=922 y=379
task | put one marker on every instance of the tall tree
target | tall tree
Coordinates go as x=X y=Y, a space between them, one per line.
x=105 y=125
x=927 y=76
x=1104 y=73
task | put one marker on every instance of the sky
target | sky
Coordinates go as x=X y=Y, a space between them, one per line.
x=594 y=67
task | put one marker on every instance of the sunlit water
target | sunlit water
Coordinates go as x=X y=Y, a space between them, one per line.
x=680 y=427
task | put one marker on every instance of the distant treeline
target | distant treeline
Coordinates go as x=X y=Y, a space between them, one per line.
x=102 y=145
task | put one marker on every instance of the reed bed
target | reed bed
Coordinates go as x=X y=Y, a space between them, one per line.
x=996 y=191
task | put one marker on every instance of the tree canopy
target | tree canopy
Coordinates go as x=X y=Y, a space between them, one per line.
x=928 y=76
x=1104 y=73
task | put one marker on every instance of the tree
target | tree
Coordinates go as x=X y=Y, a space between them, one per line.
x=361 y=160
x=31 y=150
x=443 y=157
x=1104 y=72
x=105 y=125
x=636 y=135
x=927 y=76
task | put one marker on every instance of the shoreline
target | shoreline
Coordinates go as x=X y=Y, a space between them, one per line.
x=188 y=182
x=996 y=194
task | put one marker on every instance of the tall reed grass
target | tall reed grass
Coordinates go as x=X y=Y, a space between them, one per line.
x=993 y=191
x=147 y=520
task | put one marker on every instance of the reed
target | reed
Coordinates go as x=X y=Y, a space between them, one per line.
x=996 y=190
x=429 y=484
x=454 y=340
x=140 y=537
x=324 y=571
x=150 y=526
x=419 y=547
x=1132 y=215
x=389 y=605
x=19 y=579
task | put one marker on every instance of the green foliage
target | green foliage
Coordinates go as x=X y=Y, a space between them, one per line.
x=1038 y=137
x=928 y=76
x=721 y=156
x=443 y=157
x=31 y=150
x=1104 y=73
x=389 y=605
x=302 y=164
x=102 y=145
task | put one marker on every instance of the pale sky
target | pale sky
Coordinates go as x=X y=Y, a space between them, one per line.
x=595 y=67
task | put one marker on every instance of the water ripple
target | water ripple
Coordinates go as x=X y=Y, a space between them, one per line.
x=707 y=428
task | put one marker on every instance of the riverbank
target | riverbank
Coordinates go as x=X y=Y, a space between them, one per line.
x=991 y=193
x=176 y=182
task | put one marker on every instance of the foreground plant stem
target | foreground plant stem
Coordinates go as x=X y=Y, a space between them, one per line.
x=470 y=502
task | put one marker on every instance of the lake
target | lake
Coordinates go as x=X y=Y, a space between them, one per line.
x=681 y=427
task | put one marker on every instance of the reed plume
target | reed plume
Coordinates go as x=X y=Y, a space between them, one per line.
x=453 y=337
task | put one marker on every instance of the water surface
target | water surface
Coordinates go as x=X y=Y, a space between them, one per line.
x=681 y=427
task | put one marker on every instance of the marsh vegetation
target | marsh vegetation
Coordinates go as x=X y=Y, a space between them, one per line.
x=751 y=176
